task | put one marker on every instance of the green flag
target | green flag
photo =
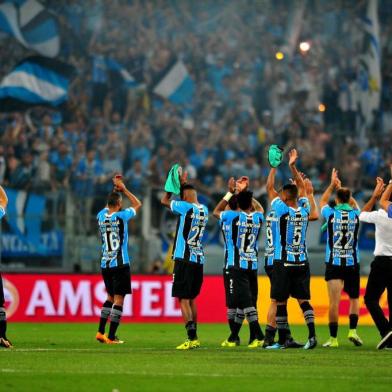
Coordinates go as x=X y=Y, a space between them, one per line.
x=275 y=155
x=173 y=184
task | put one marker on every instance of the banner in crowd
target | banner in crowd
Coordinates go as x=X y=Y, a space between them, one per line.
x=175 y=84
x=369 y=70
x=78 y=298
x=32 y=25
x=23 y=235
x=36 y=81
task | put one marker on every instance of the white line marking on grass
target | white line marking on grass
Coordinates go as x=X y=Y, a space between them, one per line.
x=170 y=374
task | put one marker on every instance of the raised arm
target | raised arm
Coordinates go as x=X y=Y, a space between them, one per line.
x=166 y=199
x=3 y=198
x=377 y=192
x=271 y=191
x=314 y=211
x=257 y=206
x=386 y=196
x=335 y=182
x=225 y=200
x=293 y=157
x=120 y=186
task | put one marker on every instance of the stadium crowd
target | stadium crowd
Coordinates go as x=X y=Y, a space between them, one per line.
x=245 y=98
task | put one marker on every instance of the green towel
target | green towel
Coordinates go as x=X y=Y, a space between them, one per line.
x=275 y=155
x=173 y=184
x=340 y=207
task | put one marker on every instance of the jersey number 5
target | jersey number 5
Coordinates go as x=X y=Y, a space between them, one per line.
x=297 y=235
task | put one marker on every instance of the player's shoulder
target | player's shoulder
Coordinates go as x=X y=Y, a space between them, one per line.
x=258 y=215
x=127 y=213
x=229 y=215
x=2 y=211
x=328 y=210
x=102 y=213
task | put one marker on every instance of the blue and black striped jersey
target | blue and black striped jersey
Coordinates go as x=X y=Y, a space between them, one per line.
x=342 y=236
x=270 y=238
x=190 y=231
x=290 y=244
x=114 y=234
x=271 y=233
x=241 y=232
x=2 y=212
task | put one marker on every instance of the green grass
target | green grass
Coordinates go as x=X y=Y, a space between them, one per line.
x=65 y=357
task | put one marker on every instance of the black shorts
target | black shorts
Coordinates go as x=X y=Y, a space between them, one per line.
x=187 y=279
x=241 y=288
x=349 y=275
x=268 y=270
x=117 y=280
x=290 y=281
x=2 y=300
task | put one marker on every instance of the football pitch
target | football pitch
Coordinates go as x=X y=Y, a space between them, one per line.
x=65 y=357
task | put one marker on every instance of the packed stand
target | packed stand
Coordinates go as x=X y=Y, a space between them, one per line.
x=245 y=99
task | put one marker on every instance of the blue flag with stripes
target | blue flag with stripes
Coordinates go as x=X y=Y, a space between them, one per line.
x=35 y=81
x=175 y=84
x=120 y=74
x=24 y=236
x=32 y=25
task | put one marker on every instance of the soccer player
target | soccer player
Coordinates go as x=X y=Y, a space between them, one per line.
x=291 y=274
x=115 y=262
x=342 y=257
x=380 y=277
x=4 y=342
x=242 y=229
x=234 y=315
x=271 y=236
x=188 y=256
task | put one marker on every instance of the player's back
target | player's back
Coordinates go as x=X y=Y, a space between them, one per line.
x=190 y=230
x=271 y=222
x=241 y=232
x=342 y=236
x=291 y=228
x=113 y=228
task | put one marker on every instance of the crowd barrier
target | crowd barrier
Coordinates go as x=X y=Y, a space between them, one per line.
x=78 y=298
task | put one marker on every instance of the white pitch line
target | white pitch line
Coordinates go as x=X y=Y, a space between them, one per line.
x=172 y=374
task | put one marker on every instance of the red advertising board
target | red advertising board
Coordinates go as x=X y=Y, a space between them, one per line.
x=78 y=298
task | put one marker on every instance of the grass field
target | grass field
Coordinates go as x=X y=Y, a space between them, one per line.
x=65 y=357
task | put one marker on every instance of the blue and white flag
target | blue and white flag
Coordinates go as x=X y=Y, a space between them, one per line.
x=369 y=73
x=121 y=74
x=32 y=25
x=35 y=81
x=175 y=84
x=24 y=236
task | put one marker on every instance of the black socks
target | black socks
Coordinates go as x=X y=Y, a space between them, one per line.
x=105 y=314
x=309 y=318
x=115 y=317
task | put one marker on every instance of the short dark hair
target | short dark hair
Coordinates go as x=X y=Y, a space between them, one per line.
x=343 y=195
x=233 y=203
x=244 y=200
x=114 y=199
x=291 y=191
x=186 y=187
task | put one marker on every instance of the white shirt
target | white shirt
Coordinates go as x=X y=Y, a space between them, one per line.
x=383 y=230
